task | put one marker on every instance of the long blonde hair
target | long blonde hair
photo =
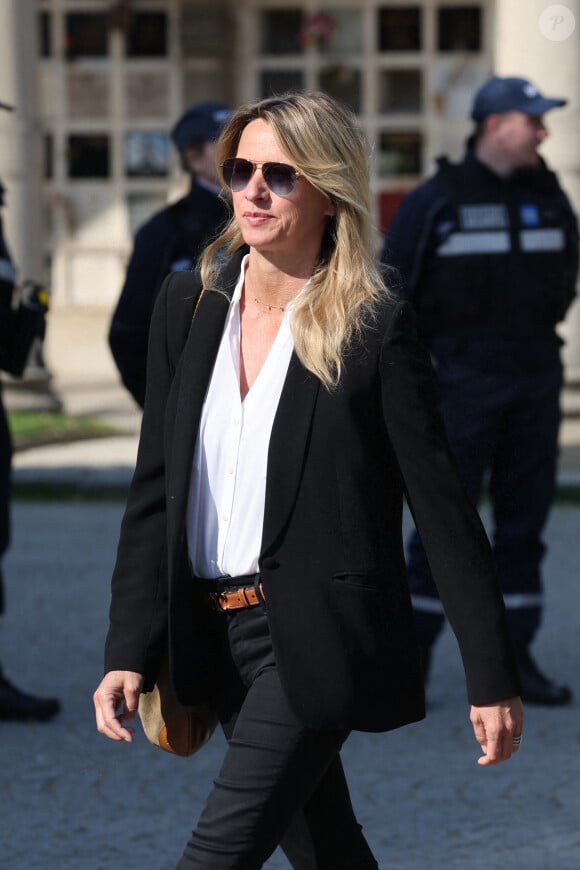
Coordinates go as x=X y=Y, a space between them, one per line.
x=325 y=143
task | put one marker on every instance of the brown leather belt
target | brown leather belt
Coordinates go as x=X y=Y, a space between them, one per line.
x=238 y=598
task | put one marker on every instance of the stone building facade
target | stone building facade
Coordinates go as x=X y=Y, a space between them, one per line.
x=98 y=83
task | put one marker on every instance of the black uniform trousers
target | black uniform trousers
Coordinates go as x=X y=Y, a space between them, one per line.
x=280 y=783
x=5 y=486
x=502 y=413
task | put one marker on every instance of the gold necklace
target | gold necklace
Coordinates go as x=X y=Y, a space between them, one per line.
x=266 y=305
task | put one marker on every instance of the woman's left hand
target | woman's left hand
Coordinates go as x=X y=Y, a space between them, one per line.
x=116 y=702
x=496 y=726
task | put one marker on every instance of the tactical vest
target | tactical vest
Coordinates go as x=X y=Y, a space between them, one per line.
x=500 y=255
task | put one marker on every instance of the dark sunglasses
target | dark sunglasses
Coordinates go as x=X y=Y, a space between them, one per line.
x=280 y=177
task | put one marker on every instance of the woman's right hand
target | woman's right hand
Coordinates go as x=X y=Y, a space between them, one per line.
x=116 y=700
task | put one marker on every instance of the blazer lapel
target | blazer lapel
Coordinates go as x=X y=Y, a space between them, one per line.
x=287 y=445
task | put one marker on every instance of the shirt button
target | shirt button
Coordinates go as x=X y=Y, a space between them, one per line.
x=225 y=518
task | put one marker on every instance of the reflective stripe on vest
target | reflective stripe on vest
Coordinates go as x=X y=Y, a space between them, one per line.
x=542 y=240
x=466 y=244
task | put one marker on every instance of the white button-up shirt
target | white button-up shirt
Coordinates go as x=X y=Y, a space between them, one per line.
x=225 y=511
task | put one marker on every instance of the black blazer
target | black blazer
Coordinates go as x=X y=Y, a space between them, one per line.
x=331 y=560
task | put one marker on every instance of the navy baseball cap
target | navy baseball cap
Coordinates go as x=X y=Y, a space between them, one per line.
x=200 y=121
x=499 y=95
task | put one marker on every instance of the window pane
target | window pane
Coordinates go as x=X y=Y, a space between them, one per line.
x=200 y=85
x=88 y=93
x=205 y=30
x=400 y=90
x=146 y=154
x=343 y=83
x=274 y=82
x=44 y=34
x=146 y=93
x=88 y=156
x=459 y=28
x=400 y=29
x=400 y=153
x=280 y=31
x=86 y=35
x=346 y=37
x=147 y=36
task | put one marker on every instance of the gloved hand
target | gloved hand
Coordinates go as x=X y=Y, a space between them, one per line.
x=34 y=295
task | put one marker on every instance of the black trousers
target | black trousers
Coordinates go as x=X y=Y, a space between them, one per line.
x=5 y=486
x=502 y=427
x=280 y=783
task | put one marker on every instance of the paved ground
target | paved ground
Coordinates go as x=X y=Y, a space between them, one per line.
x=72 y=799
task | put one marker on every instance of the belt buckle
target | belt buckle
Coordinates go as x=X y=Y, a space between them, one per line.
x=219 y=601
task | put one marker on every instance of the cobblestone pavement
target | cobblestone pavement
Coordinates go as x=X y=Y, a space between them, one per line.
x=72 y=799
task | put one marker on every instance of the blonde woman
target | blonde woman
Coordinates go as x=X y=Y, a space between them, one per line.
x=288 y=408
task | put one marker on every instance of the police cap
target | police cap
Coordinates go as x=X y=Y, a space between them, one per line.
x=202 y=121
x=499 y=95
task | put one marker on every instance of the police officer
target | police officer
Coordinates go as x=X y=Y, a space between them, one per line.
x=487 y=250
x=18 y=327
x=170 y=241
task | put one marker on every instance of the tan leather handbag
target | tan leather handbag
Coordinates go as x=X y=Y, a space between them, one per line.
x=171 y=726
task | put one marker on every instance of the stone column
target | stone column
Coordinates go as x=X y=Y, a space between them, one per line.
x=20 y=136
x=539 y=40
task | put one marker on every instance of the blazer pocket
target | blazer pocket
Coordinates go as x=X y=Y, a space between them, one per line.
x=362 y=579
